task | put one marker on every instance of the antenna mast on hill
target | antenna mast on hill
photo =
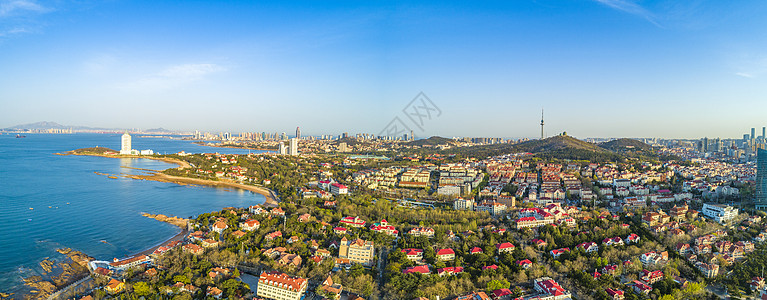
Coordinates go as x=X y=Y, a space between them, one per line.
x=541 y=123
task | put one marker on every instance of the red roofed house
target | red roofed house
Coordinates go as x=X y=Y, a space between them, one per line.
x=192 y=248
x=417 y=269
x=557 y=252
x=641 y=287
x=492 y=267
x=273 y=235
x=278 y=212
x=352 y=221
x=421 y=231
x=130 y=262
x=502 y=294
x=446 y=254
x=114 y=286
x=449 y=271
x=220 y=226
x=250 y=225
x=539 y=243
x=589 y=247
x=413 y=254
x=339 y=230
x=505 y=247
x=615 y=294
x=338 y=189
x=474 y=296
x=526 y=263
x=208 y=243
x=547 y=286
x=475 y=250
x=384 y=227
x=651 y=277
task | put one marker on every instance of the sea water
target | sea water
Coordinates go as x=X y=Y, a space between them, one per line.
x=49 y=201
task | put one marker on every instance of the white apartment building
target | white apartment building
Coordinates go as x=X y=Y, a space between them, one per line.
x=719 y=212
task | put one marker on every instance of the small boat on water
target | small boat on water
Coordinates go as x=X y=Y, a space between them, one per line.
x=18 y=136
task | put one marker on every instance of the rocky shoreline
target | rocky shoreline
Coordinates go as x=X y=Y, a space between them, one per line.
x=58 y=275
x=176 y=221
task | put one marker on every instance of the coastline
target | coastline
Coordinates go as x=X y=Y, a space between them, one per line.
x=270 y=198
x=233 y=147
x=180 y=163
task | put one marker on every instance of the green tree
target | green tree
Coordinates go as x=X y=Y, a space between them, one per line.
x=181 y=278
x=498 y=284
x=142 y=289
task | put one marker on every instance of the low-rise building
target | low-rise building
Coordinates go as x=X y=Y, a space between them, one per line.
x=719 y=213
x=280 y=286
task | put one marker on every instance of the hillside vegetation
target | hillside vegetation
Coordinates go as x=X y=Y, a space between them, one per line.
x=625 y=144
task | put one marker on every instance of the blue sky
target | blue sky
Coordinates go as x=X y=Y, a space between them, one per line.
x=605 y=68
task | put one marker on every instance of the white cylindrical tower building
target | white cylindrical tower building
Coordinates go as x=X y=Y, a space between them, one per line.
x=126 y=144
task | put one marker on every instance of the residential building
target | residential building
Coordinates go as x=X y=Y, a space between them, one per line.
x=494 y=208
x=250 y=225
x=463 y=204
x=504 y=247
x=615 y=294
x=550 y=289
x=422 y=231
x=357 y=251
x=413 y=254
x=719 y=213
x=446 y=254
x=651 y=277
x=708 y=270
x=338 y=189
x=352 y=222
x=280 y=286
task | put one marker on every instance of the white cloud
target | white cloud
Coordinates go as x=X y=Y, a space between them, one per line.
x=630 y=7
x=173 y=77
x=743 y=74
x=14 y=31
x=190 y=71
x=11 y=7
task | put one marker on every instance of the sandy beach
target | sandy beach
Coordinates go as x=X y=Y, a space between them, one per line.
x=270 y=197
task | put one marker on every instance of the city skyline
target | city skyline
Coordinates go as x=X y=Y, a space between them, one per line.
x=607 y=68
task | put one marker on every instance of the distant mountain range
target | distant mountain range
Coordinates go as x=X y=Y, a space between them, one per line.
x=53 y=125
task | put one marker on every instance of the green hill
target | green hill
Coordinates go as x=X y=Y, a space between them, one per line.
x=625 y=144
x=432 y=141
x=555 y=143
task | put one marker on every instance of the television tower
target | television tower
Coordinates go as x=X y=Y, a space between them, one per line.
x=541 y=123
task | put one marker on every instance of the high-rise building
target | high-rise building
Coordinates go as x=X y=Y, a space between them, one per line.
x=764 y=130
x=293 y=146
x=298 y=132
x=753 y=133
x=125 y=148
x=283 y=149
x=705 y=145
x=761 y=179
